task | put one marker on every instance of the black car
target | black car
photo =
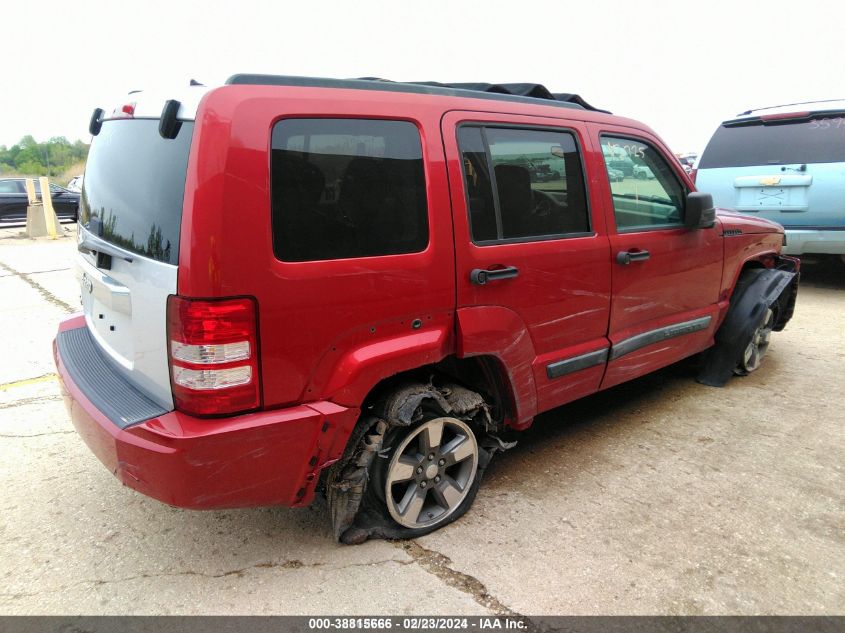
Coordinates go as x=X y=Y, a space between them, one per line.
x=13 y=200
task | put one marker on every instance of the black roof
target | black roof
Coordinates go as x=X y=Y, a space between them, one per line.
x=521 y=92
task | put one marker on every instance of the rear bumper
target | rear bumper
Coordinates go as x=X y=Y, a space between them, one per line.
x=814 y=241
x=257 y=459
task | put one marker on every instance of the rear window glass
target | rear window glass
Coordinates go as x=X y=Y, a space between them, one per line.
x=816 y=141
x=344 y=188
x=134 y=187
x=11 y=186
x=522 y=184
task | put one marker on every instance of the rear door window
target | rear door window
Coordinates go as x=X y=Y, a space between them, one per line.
x=345 y=188
x=523 y=184
x=820 y=140
x=11 y=186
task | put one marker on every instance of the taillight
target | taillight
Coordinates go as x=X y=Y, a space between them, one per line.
x=213 y=350
x=786 y=116
x=124 y=111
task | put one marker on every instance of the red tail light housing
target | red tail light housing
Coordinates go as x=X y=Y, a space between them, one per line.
x=124 y=111
x=786 y=116
x=212 y=346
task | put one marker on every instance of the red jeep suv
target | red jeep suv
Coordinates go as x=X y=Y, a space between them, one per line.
x=358 y=287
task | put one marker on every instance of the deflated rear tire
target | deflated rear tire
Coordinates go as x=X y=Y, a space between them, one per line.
x=430 y=473
x=413 y=465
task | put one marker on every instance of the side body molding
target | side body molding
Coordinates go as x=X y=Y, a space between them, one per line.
x=500 y=332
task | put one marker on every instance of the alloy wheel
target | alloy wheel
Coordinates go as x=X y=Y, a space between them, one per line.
x=431 y=472
x=756 y=350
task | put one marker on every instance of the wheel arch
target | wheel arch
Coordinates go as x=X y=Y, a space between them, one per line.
x=484 y=374
x=757 y=288
x=745 y=253
x=459 y=387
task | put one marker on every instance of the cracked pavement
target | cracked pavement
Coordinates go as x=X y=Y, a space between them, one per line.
x=658 y=497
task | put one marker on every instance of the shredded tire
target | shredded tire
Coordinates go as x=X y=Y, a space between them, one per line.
x=356 y=504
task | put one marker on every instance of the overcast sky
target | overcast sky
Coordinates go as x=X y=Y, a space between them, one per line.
x=679 y=66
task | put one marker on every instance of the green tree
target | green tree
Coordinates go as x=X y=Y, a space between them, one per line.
x=54 y=157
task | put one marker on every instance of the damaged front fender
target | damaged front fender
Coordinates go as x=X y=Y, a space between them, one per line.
x=757 y=291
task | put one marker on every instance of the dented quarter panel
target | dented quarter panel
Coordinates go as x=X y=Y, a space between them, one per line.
x=347 y=377
x=315 y=318
x=500 y=332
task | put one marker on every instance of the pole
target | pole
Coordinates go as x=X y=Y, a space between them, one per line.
x=47 y=202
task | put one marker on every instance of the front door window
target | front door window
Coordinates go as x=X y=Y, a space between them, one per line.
x=646 y=193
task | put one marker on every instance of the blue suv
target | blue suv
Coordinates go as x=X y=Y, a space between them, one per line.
x=787 y=164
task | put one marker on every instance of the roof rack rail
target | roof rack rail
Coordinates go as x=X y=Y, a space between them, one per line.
x=786 y=105
x=524 y=92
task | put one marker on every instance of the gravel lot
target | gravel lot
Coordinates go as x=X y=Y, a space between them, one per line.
x=661 y=496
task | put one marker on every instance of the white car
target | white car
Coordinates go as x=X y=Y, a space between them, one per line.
x=75 y=184
x=642 y=172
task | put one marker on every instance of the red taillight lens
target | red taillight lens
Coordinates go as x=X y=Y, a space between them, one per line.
x=124 y=111
x=785 y=116
x=213 y=352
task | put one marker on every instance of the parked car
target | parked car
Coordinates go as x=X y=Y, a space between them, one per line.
x=14 y=200
x=641 y=172
x=295 y=285
x=686 y=164
x=75 y=184
x=615 y=175
x=542 y=172
x=618 y=158
x=786 y=164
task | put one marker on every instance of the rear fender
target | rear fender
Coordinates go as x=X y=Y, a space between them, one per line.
x=362 y=366
x=499 y=332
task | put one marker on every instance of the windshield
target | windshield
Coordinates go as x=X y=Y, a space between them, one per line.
x=816 y=141
x=134 y=187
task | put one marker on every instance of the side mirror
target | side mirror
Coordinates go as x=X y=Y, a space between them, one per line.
x=700 y=213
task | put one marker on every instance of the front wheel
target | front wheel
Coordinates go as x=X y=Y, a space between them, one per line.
x=762 y=303
x=757 y=347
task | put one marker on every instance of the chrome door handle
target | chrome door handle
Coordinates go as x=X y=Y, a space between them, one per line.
x=626 y=257
x=481 y=277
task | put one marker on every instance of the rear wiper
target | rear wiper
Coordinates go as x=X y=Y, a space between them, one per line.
x=90 y=243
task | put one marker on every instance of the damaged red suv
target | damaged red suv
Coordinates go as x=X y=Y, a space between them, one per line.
x=358 y=287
